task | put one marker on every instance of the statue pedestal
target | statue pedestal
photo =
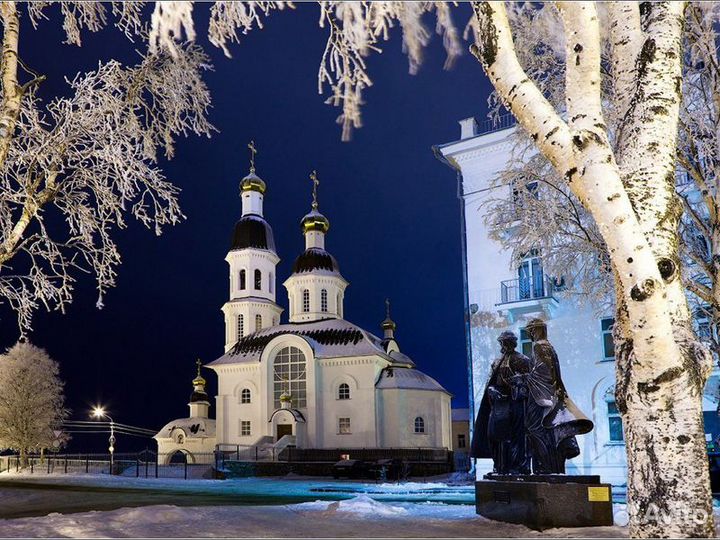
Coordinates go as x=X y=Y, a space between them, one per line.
x=545 y=501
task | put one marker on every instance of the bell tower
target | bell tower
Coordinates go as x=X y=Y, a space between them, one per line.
x=316 y=289
x=253 y=262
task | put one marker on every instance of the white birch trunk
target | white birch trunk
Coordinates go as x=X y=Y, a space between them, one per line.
x=661 y=368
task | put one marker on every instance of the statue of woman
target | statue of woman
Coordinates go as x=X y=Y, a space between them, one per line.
x=552 y=419
x=500 y=425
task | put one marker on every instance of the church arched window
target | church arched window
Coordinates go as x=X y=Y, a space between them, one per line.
x=258 y=280
x=271 y=281
x=338 y=305
x=245 y=395
x=241 y=280
x=306 y=301
x=258 y=322
x=323 y=301
x=419 y=424
x=289 y=376
x=344 y=391
x=240 y=327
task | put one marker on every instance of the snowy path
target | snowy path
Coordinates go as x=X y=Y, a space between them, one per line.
x=359 y=517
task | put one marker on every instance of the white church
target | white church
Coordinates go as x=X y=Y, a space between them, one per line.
x=500 y=297
x=316 y=381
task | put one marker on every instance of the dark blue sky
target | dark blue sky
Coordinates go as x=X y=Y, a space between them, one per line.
x=394 y=214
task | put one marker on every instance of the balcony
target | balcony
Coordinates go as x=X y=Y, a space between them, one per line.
x=525 y=296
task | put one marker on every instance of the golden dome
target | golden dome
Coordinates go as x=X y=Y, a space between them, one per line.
x=252 y=182
x=315 y=221
x=198 y=380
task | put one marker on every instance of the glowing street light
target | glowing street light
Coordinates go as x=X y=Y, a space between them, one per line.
x=99 y=412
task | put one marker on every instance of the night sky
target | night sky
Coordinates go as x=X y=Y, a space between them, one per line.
x=393 y=210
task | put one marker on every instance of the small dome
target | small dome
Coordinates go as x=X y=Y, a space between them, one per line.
x=252 y=182
x=315 y=259
x=388 y=324
x=197 y=396
x=252 y=232
x=315 y=221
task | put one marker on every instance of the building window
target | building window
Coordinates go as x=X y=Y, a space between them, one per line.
x=343 y=426
x=344 y=391
x=614 y=422
x=606 y=327
x=245 y=395
x=323 y=301
x=245 y=428
x=531 y=279
x=525 y=343
x=338 y=304
x=289 y=375
x=258 y=322
x=258 y=280
x=271 y=283
x=306 y=301
x=242 y=280
x=240 y=327
x=461 y=440
x=419 y=425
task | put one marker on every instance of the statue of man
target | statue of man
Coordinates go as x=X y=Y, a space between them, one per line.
x=500 y=425
x=552 y=419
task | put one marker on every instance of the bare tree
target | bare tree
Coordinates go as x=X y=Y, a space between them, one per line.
x=88 y=160
x=31 y=400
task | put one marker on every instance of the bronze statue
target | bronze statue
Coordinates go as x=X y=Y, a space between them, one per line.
x=526 y=418
x=552 y=418
x=500 y=425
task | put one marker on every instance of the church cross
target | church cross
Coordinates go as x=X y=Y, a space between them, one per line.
x=316 y=183
x=253 y=151
x=198 y=363
x=387 y=308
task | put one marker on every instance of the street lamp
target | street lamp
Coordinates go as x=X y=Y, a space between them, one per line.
x=99 y=412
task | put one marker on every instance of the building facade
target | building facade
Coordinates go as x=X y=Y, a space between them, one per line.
x=190 y=439
x=501 y=297
x=318 y=380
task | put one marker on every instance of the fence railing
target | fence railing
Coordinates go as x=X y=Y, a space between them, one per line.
x=517 y=290
x=143 y=464
x=491 y=125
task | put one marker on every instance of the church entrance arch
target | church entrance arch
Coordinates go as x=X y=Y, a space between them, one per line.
x=282 y=429
x=179 y=457
x=288 y=422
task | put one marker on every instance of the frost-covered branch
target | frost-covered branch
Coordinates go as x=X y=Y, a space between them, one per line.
x=89 y=160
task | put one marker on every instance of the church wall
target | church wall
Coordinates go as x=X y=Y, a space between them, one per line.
x=199 y=450
x=360 y=374
x=400 y=408
x=230 y=412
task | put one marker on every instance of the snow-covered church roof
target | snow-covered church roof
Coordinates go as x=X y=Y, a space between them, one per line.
x=329 y=338
x=193 y=427
x=407 y=379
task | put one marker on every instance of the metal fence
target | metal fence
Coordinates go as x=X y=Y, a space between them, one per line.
x=143 y=464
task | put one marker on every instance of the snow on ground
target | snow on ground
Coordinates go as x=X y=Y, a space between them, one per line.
x=358 y=517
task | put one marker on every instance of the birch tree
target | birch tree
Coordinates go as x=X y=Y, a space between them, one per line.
x=88 y=160
x=544 y=213
x=31 y=399
x=629 y=190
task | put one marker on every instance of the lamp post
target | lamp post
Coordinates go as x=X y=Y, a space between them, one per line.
x=99 y=412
